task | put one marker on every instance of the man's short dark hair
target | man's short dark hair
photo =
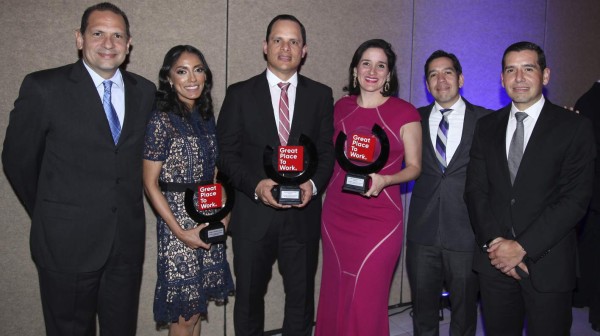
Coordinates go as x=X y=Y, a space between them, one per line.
x=103 y=6
x=441 y=53
x=525 y=45
x=289 y=18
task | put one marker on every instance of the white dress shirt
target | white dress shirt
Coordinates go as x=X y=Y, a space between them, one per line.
x=533 y=113
x=117 y=92
x=276 y=94
x=455 y=126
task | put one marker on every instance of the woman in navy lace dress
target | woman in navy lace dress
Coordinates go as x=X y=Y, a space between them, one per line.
x=181 y=150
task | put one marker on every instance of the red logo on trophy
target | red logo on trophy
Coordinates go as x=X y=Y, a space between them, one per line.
x=210 y=197
x=361 y=148
x=290 y=159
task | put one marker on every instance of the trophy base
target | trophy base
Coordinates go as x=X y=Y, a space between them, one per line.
x=287 y=195
x=356 y=183
x=214 y=233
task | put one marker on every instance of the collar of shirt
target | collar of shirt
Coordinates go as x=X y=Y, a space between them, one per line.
x=117 y=91
x=455 y=126
x=533 y=113
x=276 y=93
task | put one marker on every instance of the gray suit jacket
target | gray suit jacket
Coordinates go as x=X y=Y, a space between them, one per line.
x=438 y=215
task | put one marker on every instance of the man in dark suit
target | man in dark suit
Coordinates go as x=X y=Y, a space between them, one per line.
x=589 y=248
x=440 y=240
x=78 y=172
x=252 y=117
x=529 y=182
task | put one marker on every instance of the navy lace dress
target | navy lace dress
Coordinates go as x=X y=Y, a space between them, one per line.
x=187 y=278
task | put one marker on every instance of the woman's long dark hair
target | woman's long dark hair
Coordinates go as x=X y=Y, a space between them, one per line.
x=166 y=96
x=391 y=60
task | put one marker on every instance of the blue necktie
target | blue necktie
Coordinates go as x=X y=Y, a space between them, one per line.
x=442 y=139
x=111 y=114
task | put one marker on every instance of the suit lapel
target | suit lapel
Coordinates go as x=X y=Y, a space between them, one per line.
x=499 y=139
x=86 y=96
x=467 y=131
x=265 y=112
x=429 y=149
x=300 y=108
x=537 y=144
x=132 y=97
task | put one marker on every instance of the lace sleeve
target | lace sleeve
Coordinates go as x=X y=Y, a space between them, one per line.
x=156 y=140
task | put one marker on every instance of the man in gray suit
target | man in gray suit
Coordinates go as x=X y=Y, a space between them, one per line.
x=440 y=238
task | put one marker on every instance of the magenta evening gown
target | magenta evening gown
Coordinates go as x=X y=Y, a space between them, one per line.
x=362 y=237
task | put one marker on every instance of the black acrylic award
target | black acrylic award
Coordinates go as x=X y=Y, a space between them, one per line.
x=357 y=176
x=215 y=231
x=288 y=192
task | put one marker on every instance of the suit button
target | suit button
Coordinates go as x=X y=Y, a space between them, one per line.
x=513 y=201
x=116 y=151
x=113 y=209
x=118 y=180
x=443 y=175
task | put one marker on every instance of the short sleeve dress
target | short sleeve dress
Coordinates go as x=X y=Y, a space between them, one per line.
x=187 y=278
x=362 y=237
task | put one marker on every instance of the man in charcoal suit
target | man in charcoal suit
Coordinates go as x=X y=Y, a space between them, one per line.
x=440 y=240
x=529 y=182
x=257 y=113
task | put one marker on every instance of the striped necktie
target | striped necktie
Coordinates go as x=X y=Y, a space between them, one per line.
x=284 y=114
x=442 y=139
x=111 y=114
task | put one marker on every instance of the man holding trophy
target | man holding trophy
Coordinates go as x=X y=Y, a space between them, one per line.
x=276 y=112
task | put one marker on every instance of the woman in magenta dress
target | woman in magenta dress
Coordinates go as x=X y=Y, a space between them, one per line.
x=362 y=234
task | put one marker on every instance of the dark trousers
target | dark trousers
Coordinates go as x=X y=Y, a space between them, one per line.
x=432 y=268
x=70 y=301
x=508 y=303
x=253 y=262
x=588 y=293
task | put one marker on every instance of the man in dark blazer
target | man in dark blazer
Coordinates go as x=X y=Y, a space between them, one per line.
x=524 y=210
x=440 y=240
x=81 y=183
x=589 y=248
x=262 y=229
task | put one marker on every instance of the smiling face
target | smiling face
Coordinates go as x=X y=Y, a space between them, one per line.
x=104 y=44
x=284 y=49
x=523 y=79
x=372 y=71
x=187 y=78
x=443 y=82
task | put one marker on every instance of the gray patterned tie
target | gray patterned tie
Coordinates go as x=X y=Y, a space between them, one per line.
x=515 y=151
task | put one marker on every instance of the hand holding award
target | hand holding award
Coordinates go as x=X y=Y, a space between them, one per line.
x=296 y=164
x=210 y=198
x=361 y=148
